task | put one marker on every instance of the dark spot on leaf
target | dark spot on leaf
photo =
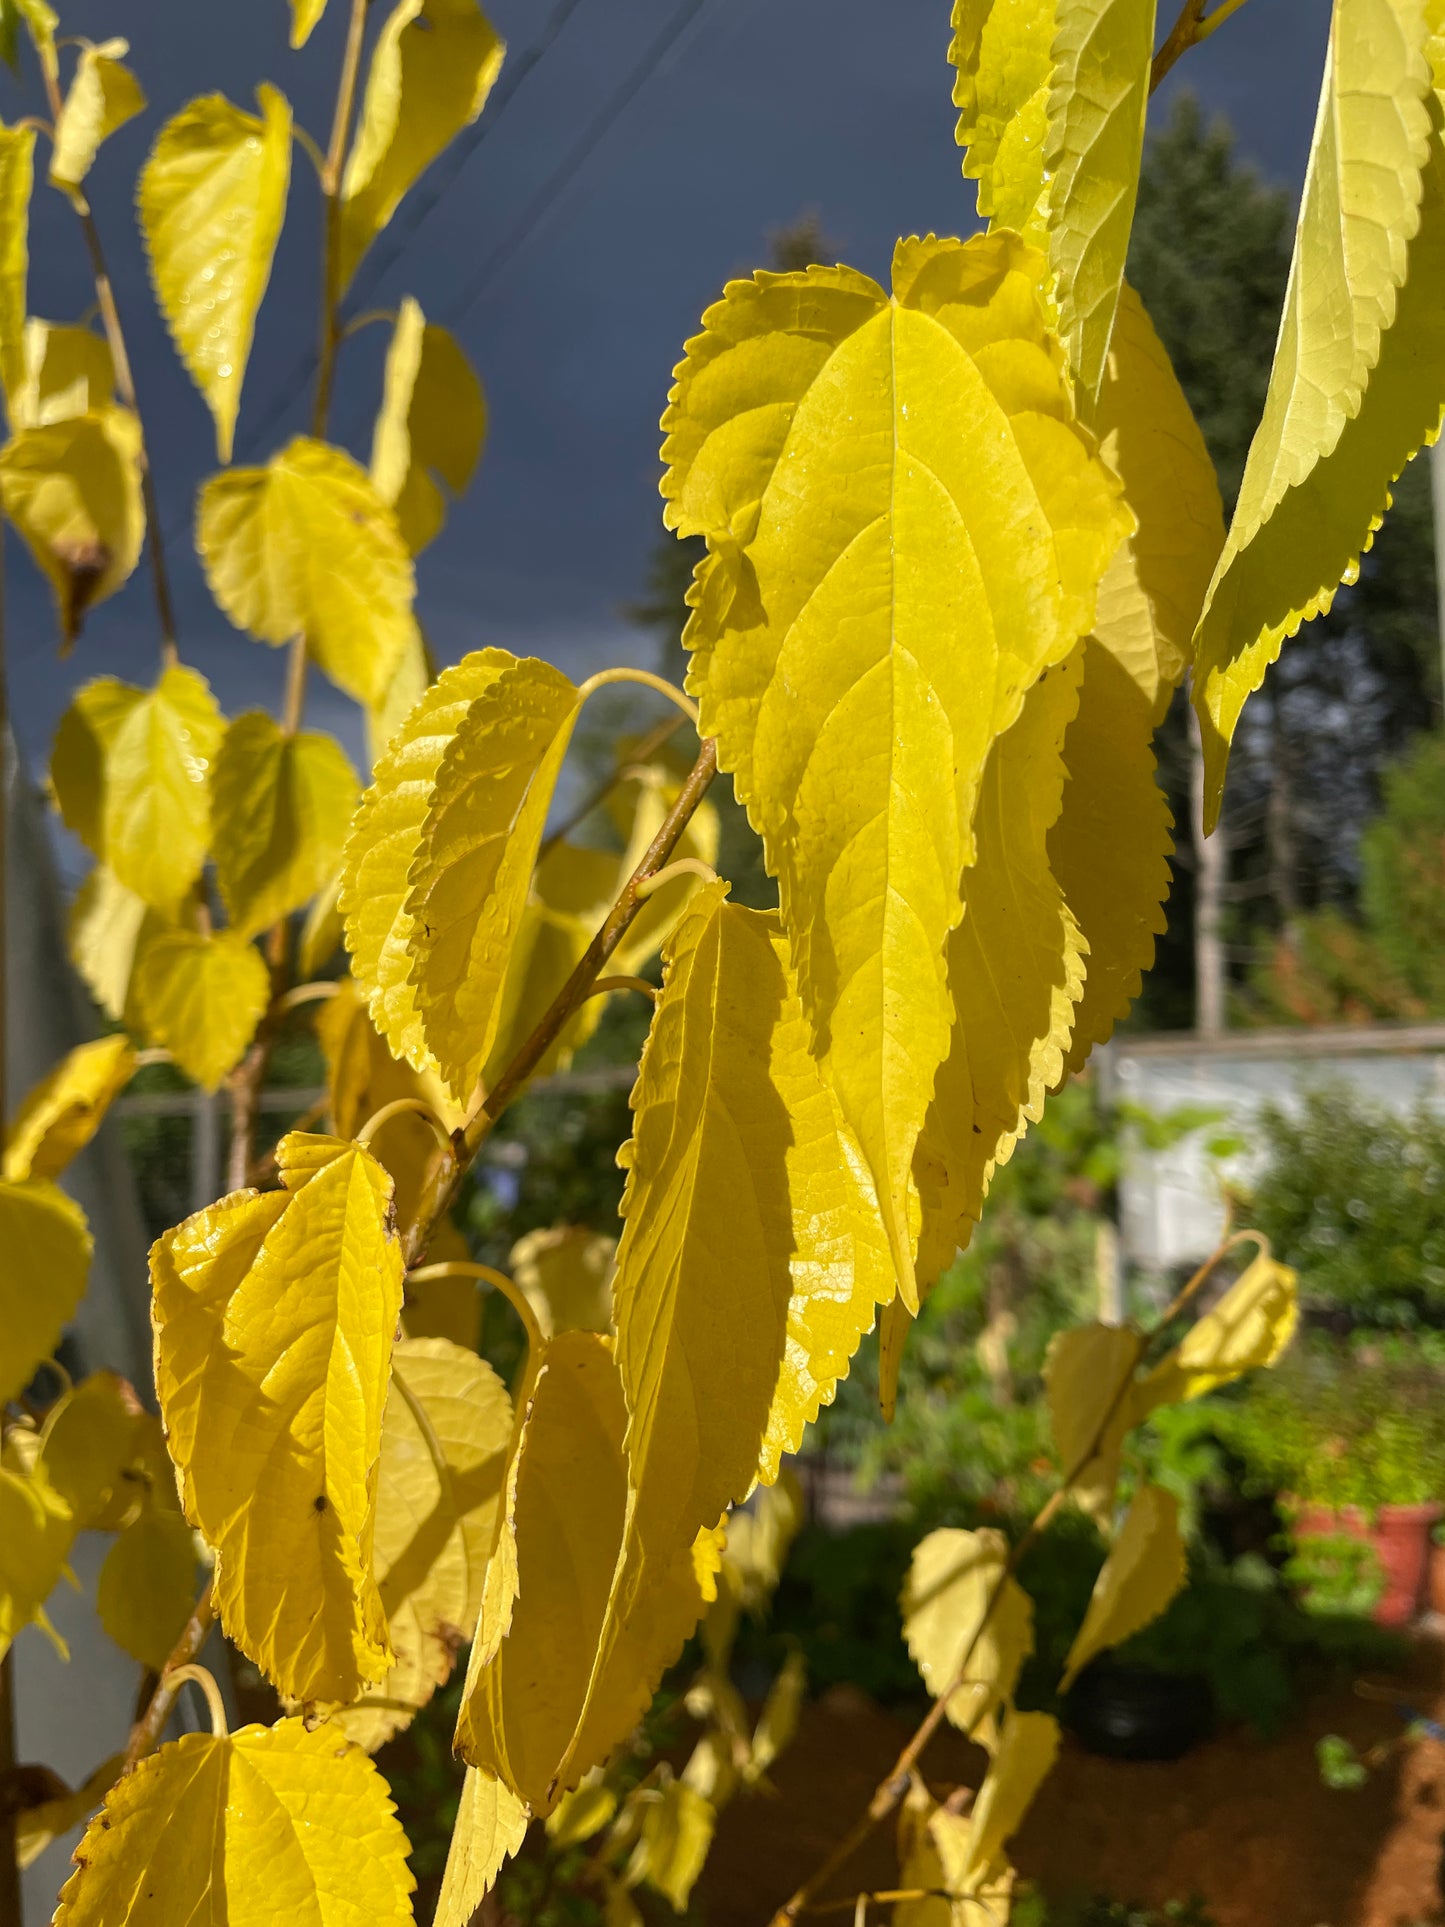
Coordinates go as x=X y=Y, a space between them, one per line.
x=319 y=1502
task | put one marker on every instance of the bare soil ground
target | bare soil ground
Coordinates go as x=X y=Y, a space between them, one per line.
x=1242 y=1822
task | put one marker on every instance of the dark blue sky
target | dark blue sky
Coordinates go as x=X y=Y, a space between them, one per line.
x=764 y=108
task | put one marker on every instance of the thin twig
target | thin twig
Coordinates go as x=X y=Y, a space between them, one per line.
x=1188 y=31
x=125 y=388
x=445 y=1176
x=331 y=188
x=145 y=1735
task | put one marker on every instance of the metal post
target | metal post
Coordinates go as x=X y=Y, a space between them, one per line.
x=205 y=1149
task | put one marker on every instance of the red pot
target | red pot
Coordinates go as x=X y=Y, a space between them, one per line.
x=1435 y=1590
x=1399 y=1536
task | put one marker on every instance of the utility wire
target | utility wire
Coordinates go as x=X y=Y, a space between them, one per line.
x=418 y=208
x=561 y=177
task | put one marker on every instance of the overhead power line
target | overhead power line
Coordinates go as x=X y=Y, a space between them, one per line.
x=416 y=209
x=561 y=177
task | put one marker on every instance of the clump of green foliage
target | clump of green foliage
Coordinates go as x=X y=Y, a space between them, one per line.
x=1353 y=1196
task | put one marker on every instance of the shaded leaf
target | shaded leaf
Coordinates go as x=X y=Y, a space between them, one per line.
x=1015 y=971
x=201 y=997
x=36 y=1827
x=103 y=95
x=147 y=1587
x=46 y=1246
x=432 y=424
x=212 y=198
x=306 y=546
x=109 y=930
x=72 y=490
x=65 y=1110
x=567 y=1274
x=213 y=1823
x=274 y=1317
x=1141 y=1575
x=849 y=458
x=36 y=1531
x=281 y=806
x=102 y=1452
x=431 y=71
x=1088 y=1382
x=444 y=1440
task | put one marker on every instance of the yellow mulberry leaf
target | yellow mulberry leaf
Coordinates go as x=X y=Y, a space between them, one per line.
x=844 y=612
x=469 y=882
x=410 y=680
x=1026 y=1752
x=555 y=1682
x=306 y=546
x=17 y=179
x=444 y=1440
x=445 y=1307
x=211 y=1828
x=72 y=490
x=304 y=16
x=280 y=810
x=47 y=1247
x=41 y=21
x=36 y=1533
x=1088 y=1382
x=102 y=1453
x=103 y=95
x=274 y=1315
x=67 y=372
x=362 y=1078
x=933 y=1849
x=146 y=1589
x=131 y=771
x=431 y=71
x=1142 y=1573
x=748 y=1231
x=491 y=1825
x=1248 y=1329
x=36 y=1827
x=385 y=835
x=677 y=1830
x=1102 y=53
x=951 y=1579
x=573 y=888
x=1154 y=589
x=1002 y=53
x=586 y=1811
x=777 y=1725
x=1015 y=971
x=433 y=422
x=1358 y=381
x=65 y=1110
x=201 y=997
x=321 y=931
x=567 y=1274
x=109 y=930
x=640 y=805
x=212 y=198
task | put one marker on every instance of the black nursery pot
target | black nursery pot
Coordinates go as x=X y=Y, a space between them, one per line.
x=1131 y=1712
